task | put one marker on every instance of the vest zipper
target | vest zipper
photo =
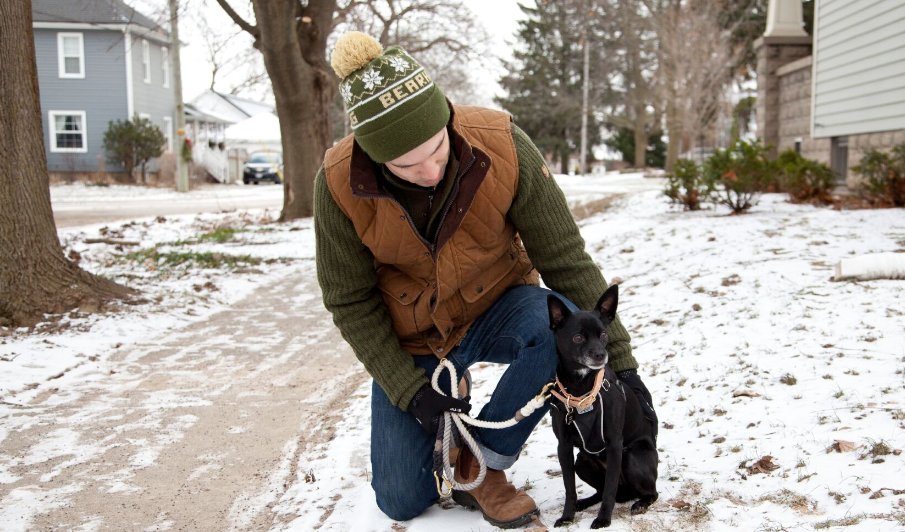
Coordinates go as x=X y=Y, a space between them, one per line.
x=404 y=212
x=452 y=199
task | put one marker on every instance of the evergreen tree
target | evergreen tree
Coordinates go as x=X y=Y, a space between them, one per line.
x=623 y=140
x=132 y=143
x=545 y=82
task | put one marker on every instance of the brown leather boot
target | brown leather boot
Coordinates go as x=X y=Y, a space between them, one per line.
x=501 y=503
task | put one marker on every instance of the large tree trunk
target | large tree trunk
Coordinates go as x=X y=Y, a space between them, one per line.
x=35 y=277
x=294 y=47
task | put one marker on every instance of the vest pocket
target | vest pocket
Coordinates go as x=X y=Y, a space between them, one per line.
x=399 y=293
x=482 y=284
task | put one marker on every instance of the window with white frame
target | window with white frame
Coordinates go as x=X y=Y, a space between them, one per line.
x=168 y=131
x=71 y=55
x=146 y=60
x=67 y=131
x=165 y=65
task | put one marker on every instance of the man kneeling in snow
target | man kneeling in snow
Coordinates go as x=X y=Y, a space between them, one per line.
x=423 y=217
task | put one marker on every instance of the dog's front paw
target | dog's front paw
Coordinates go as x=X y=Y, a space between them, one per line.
x=564 y=520
x=601 y=522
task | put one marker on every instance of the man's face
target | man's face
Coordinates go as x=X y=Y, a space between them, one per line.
x=425 y=165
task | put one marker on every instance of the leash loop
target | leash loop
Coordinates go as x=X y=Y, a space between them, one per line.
x=453 y=421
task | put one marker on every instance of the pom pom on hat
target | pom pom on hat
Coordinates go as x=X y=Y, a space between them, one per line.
x=354 y=50
x=392 y=103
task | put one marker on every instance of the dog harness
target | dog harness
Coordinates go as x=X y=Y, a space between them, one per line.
x=585 y=413
x=589 y=426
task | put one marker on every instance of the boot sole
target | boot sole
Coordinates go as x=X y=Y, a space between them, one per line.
x=466 y=500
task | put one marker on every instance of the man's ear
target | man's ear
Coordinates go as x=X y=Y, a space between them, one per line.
x=606 y=306
x=558 y=311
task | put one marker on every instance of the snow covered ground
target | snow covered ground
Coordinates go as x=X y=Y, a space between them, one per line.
x=182 y=271
x=716 y=304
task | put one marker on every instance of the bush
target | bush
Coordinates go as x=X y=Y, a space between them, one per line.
x=805 y=180
x=739 y=174
x=686 y=185
x=132 y=143
x=885 y=175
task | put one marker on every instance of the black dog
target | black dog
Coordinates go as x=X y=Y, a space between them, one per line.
x=608 y=426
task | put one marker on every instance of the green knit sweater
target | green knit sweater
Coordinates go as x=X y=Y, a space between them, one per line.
x=345 y=271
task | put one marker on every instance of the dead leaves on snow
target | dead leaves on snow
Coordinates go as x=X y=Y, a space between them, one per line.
x=841 y=446
x=765 y=465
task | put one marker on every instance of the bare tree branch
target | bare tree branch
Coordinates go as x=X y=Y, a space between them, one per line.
x=253 y=30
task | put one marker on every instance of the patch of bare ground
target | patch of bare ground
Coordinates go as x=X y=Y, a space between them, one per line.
x=693 y=511
x=586 y=210
x=796 y=501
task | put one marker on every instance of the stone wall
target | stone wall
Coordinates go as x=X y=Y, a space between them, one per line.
x=794 y=112
x=772 y=54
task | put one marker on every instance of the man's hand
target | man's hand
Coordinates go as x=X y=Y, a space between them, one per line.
x=633 y=380
x=428 y=405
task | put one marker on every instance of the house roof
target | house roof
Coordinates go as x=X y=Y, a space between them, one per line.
x=193 y=113
x=261 y=129
x=249 y=107
x=229 y=106
x=90 y=12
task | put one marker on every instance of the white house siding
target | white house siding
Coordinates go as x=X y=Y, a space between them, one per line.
x=101 y=94
x=859 y=67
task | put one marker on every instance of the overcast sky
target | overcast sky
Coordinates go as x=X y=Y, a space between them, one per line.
x=499 y=17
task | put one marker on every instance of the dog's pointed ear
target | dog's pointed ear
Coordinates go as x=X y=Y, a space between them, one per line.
x=608 y=302
x=558 y=311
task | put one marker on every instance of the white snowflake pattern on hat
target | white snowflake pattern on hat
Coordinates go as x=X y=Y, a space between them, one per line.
x=346 y=92
x=400 y=64
x=371 y=79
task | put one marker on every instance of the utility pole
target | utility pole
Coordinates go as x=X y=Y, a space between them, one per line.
x=182 y=171
x=583 y=165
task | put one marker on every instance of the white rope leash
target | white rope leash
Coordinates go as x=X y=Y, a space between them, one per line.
x=461 y=419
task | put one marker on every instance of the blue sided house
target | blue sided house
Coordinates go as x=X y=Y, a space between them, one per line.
x=98 y=61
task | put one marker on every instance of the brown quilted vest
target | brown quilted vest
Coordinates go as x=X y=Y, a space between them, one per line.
x=434 y=292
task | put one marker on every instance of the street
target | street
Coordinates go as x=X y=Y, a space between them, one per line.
x=73 y=207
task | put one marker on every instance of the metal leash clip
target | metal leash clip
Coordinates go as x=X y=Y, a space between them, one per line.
x=440 y=488
x=545 y=393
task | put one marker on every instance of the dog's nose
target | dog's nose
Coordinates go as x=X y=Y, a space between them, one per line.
x=598 y=354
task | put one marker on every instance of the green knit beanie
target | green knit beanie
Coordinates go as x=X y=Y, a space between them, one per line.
x=393 y=104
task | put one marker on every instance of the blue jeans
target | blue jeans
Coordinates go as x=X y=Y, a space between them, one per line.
x=514 y=331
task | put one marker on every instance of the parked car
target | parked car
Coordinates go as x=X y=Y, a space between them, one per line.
x=263 y=167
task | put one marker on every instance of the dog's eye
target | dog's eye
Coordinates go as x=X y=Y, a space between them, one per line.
x=603 y=335
x=578 y=338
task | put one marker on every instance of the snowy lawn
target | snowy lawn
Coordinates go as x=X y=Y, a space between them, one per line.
x=757 y=362
x=717 y=305
x=185 y=267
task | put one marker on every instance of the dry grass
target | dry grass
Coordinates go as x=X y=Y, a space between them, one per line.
x=845 y=521
x=796 y=501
